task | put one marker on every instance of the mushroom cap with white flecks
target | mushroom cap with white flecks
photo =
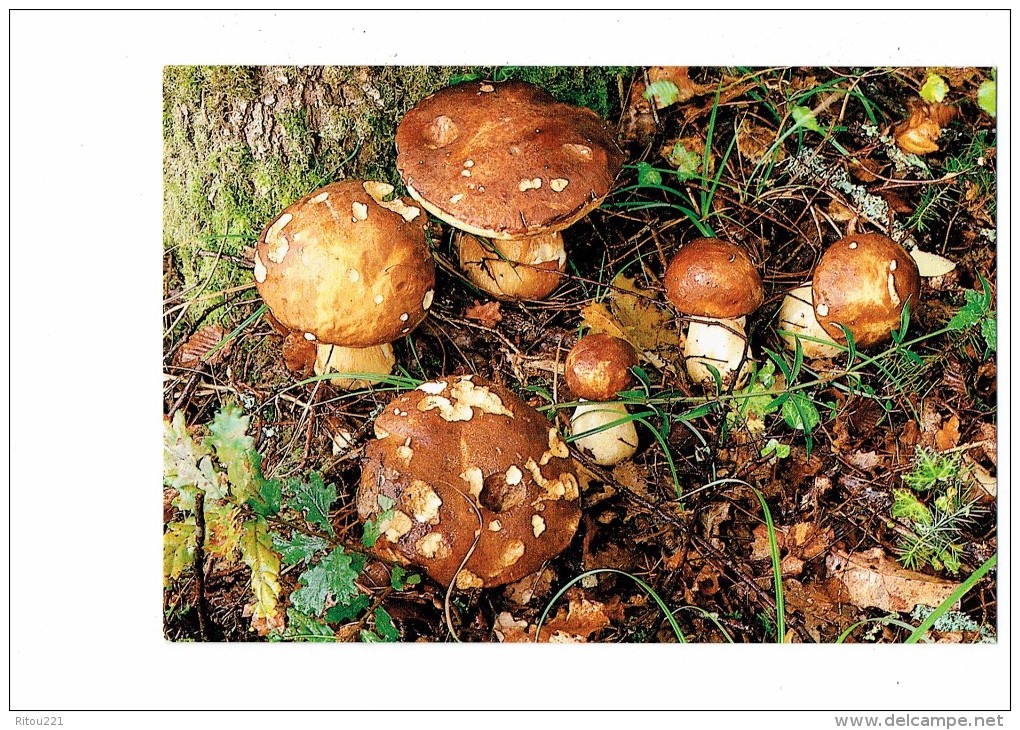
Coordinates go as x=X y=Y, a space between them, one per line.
x=862 y=282
x=708 y=277
x=506 y=160
x=347 y=266
x=459 y=457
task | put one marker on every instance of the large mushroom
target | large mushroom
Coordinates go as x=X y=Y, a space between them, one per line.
x=463 y=469
x=510 y=168
x=349 y=269
x=717 y=285
x=597 y=368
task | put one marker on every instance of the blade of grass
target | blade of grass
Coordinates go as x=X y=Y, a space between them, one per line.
x=955 y=596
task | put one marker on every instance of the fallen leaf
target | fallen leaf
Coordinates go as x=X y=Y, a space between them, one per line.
x=574 y=623
x=196 y=351
x=874 y=580
x=866 y=170
x=823 y=604
x=934 y=89
x=638 y=124
x=919 y=132
x=711 y=520
x=646 y=324
x=865 y=460
x=989 y=435
x=896 y=202
x=755 y=140
x=985 y=486
x=298 y=353
x=531 y=586
x=631 y=476
x=930 y=265
x=800 y=543
x=600 y=320
x=840 y=213
x=679 y=77
x=948 y=435
x=487 y=314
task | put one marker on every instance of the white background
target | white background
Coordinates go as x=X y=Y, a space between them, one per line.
x=85 y=347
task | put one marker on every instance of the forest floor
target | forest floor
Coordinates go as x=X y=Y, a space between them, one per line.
x=826 y=500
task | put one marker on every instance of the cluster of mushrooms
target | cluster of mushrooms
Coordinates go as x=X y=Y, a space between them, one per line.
x=465 y=479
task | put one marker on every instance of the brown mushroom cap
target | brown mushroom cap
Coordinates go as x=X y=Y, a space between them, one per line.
x=505 y=160
x=598 y=366
x=347 y=266
x=457 y=445
x=862 y=282
x=712 y=278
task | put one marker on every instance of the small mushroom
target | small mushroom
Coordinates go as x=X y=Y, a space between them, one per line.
x=506 y=161
x=597 y=368
x=863 y=282
x=468 y=470
x=349 y=270
x=717 y=285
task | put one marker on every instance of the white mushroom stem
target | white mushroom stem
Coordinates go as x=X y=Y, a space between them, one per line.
x=610 y=445
x=515 y=268
x=797 y=318
x=363 y=361
x=721 y=343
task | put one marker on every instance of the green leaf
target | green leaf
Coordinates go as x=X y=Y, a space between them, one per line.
x=800 y=413
x=775 y=449
x=986 y=97
x=647 y=175
x=384 y=625
x=179 y=543
x=270 y=491
x=990 y=333
x=300 y=548
x=685 y=161
x=935 y=88
x=301 y=627
x=187 y=465
x=228 y=436
x=313 y=498
x=333 y=576
x=399 y=578
x=664 y=92
x=908 y=507
x=344 y=612
x=804 y=117
x=258 y=554
x=970 y=313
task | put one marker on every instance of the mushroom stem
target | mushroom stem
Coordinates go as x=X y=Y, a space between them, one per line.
x=797 y=317
x=514 y=268
x=611 y=445
x=721 y=344
x=378 y=360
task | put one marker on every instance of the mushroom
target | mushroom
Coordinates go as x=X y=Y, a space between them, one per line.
x=463 y=469
x=717 y=284
x=507 y=162
x=597 y=368
x=351 y=271
x=863 y=282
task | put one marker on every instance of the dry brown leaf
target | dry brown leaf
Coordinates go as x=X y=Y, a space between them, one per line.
x=821 y=603
x=530 y=586
x=574 y=623
x=840 y=213
x=920 y=131
x=195 y=352
x=678 y=75
x=897 y=203
x=948 y=436
x=873 y=579
x=638 y=124
x=985 y=486
x=262 y=625
x=755 y=140
x=865 y=460
x=631 y=476
x=866 y=170
x=712 y=519
x=646 y=324
x=298 y=353
x=600 y=320
x=487 y=314
x=989 y=435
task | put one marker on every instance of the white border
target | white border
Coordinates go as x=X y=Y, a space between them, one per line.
x=86 y=161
